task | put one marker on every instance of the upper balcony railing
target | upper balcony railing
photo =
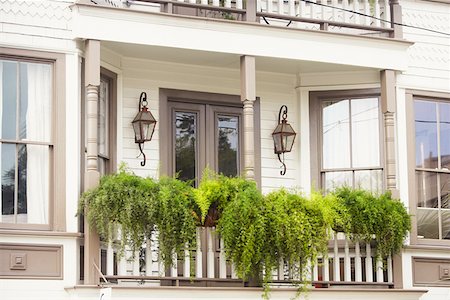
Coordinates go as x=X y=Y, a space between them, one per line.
x=361 y=17
x=346 y=263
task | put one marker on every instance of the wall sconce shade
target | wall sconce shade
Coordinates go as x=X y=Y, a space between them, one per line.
x=283 y=136
x=143 y=124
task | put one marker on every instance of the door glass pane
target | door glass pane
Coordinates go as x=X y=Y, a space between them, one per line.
x=426 y=183
x=369 y=179
x=8 y=176
x=444 y=130
x=446 y=224
x=426 y=134
x=428 y=223
x=228 y=145
x=336 y=179
x=365 y=133
x=9 y=99
x=185 y=144
x=335 y=135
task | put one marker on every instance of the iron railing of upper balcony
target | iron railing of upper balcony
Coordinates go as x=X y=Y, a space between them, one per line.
x=347 y=263
x=362 y=17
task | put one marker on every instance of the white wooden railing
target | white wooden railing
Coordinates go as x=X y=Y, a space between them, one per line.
x=346 y=263
x=346 y=16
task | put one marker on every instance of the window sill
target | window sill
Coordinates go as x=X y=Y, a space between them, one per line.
x=23 y=232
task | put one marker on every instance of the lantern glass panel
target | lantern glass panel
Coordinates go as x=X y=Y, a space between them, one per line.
x=277 y=140
x=288 y=142
x=137 y=131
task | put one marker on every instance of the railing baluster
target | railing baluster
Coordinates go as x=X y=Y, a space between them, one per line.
x=387 y=14
x=369 y=266
x=292 y=7
x=269 y=6
x=110 y=259
x=233 y=271
x=210 y=252
x=367 y=12
x=222 y=261
x=122 y=269
x=377 y=13
x=187 y=263
x=336 y=260
x=334 y=12
x=379 y=266
x=356 y=8
x=281 y=7
x=136 y=271
x=239 y=4
x=326 y=269
x=281 y=270
x=312 y=9
x=174 y=266
x=204 y=2
x=389 y=269
x=301 y=9
x=228 y=3
x=315 y=271
x=148 y=258
x=358 y=264
x=322 y=9
x=344 y=13
x=199 y=254
x=347 y=262
x=215 y=2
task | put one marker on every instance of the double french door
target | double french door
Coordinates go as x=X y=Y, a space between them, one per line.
x=204 y=136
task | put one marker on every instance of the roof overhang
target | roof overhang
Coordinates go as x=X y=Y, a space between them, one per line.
x=240 y=38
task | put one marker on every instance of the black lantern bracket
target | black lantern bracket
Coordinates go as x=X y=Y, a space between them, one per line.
x=283 y=137
x=143 y=125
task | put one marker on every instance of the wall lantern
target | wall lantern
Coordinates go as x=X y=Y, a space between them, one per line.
x=143 y=124
x=283 y=136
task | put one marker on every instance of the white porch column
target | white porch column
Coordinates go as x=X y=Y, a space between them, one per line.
x=248 y=97
x=388 y=108
x=92 y=176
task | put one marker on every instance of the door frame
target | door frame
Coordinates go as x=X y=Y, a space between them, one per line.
x=183 y=96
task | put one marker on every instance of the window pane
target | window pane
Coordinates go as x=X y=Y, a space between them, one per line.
x=445 y=224
x=426 y=183
x=445 y=190
x=103 y=118
x=35 y=102
x=370 y=180
x=34 y=182
x=9 y=99
x=8 y=168
x=336 y=179
x=228 y=145
x=426 y=134
x=444 y=130
x=335 y=135
x=428 y=223
x=185 y=144
x=22 y=183
x=365 y=133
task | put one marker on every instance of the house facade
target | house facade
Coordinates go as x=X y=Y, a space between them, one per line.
x=366 y=84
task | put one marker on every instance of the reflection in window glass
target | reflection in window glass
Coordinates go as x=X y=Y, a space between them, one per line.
x=336 y=135
x=365 y=133
x=336 y=179
x=444 y=134
x=102 y=125
x=427 y=223
x=8 y=168
x=426 y=134
x=426 y=183
x=446 y=224
x=369 y=180
x=185 y=145
x=228 y=145
x=9 y=98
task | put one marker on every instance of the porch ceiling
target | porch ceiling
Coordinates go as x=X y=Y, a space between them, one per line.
x=222 y=60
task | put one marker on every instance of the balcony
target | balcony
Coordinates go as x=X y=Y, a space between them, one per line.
x=359 y=17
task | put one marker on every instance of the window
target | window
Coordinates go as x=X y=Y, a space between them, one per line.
x=348 y=139
x=432 y=167
x=29 y=153
x=203 y=130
